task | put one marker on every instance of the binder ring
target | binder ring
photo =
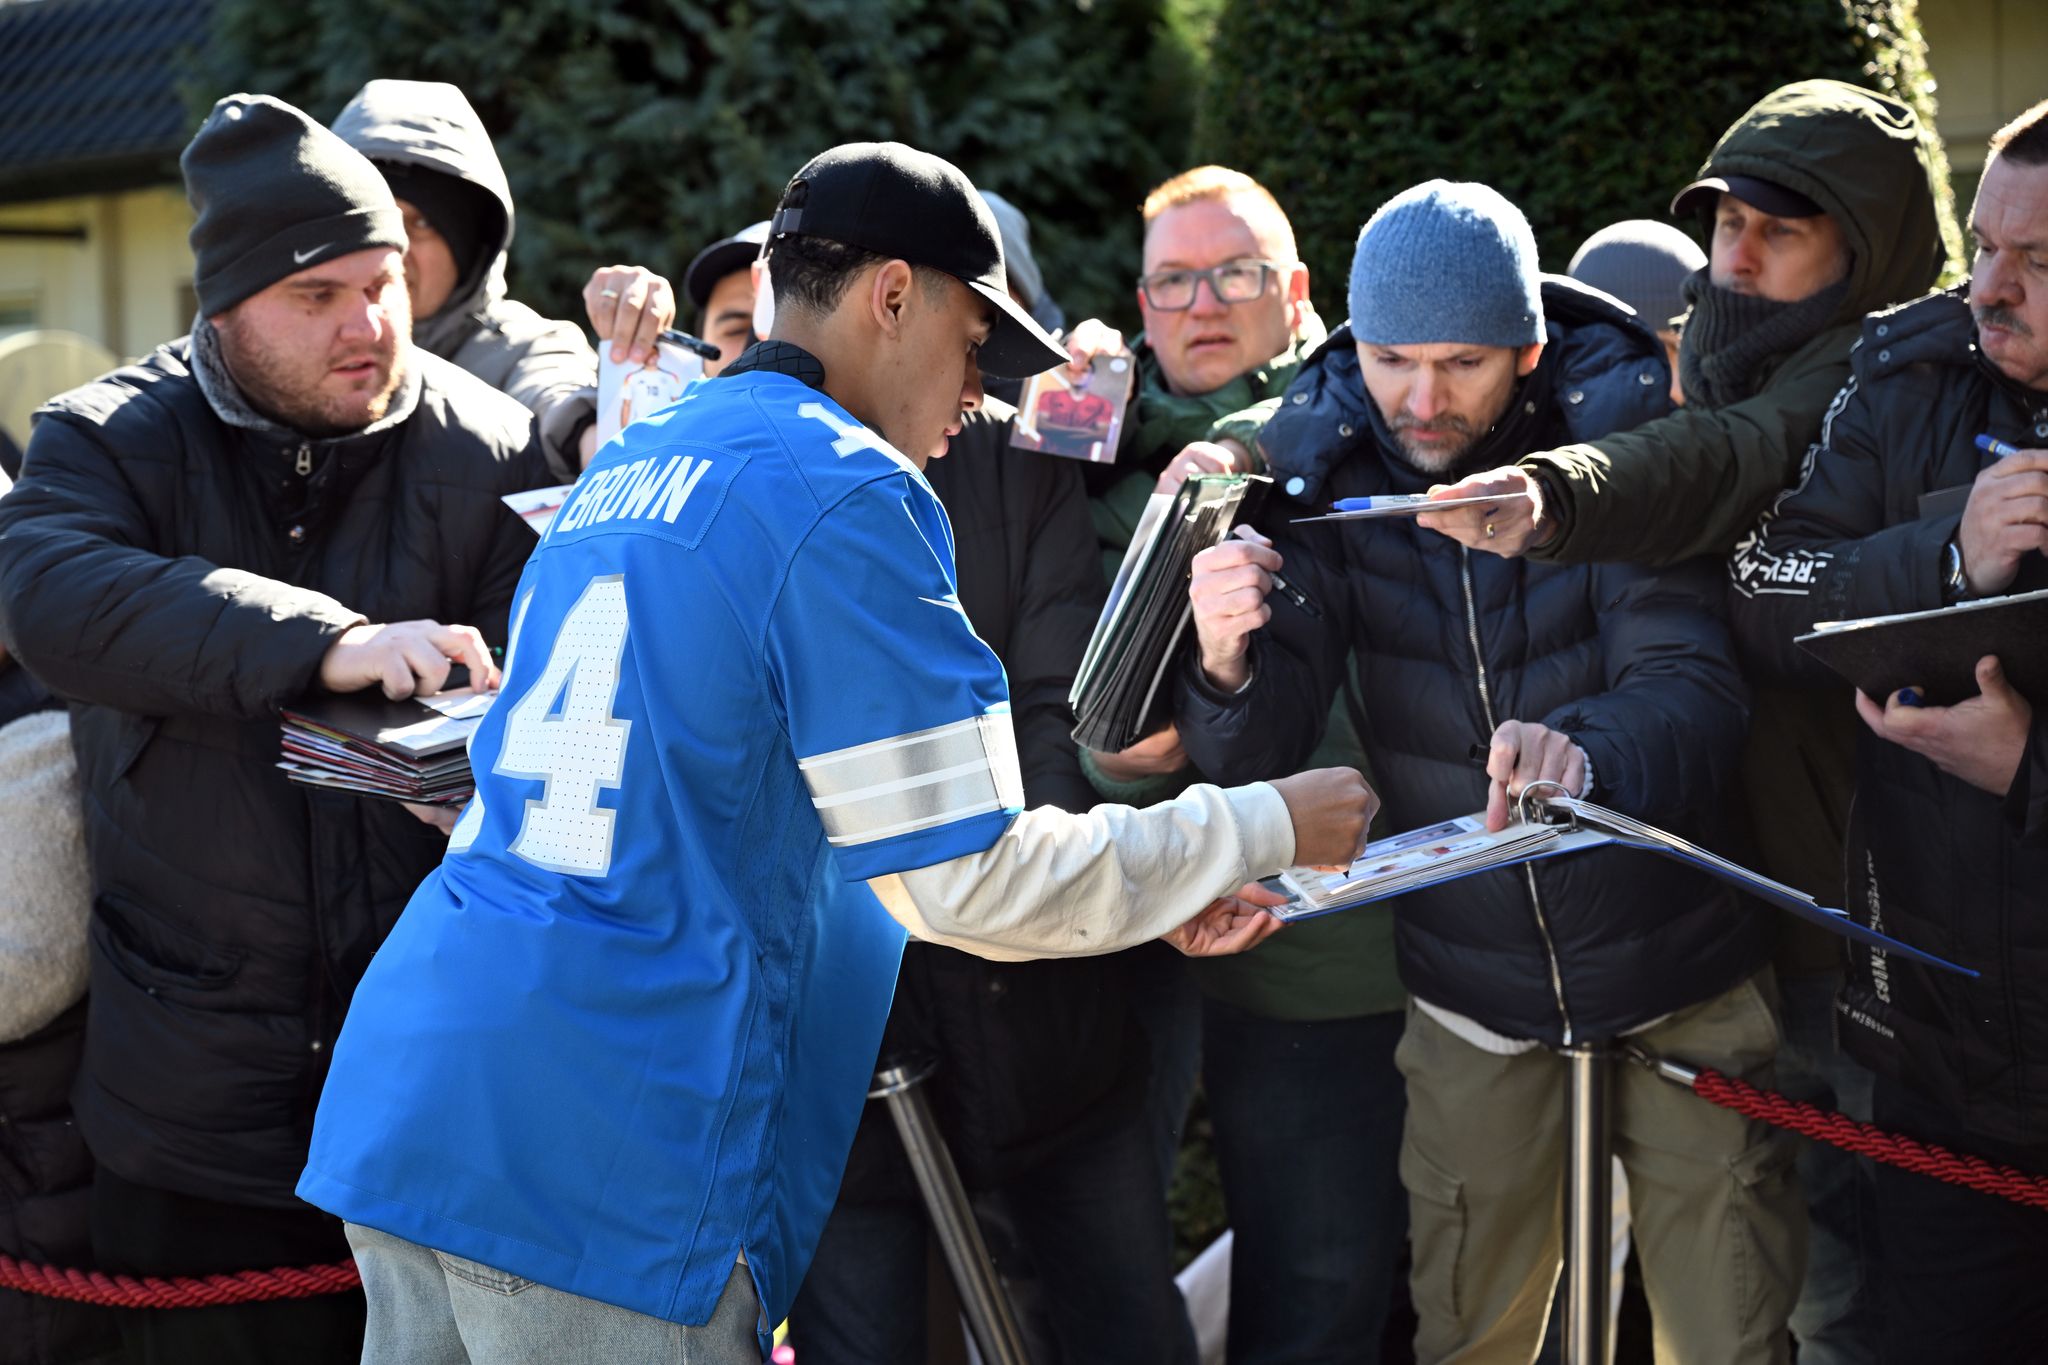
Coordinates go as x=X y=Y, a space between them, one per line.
x=1542 y=812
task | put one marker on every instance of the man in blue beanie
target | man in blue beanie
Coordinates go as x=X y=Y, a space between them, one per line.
x=1614 y=681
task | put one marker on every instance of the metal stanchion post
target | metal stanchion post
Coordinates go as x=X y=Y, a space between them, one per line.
x=1588 y=1202
x=981 y=1294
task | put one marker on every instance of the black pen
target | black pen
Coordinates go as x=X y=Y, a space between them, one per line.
x=1288 y=590
x=696 y=346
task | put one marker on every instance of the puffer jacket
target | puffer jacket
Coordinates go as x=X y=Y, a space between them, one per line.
x=1691 y=482
x=1931 y=859
x=546 y=364
x=1635 y=667
x=172 y=576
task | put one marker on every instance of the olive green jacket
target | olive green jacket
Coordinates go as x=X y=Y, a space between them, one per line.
x=1693 y=482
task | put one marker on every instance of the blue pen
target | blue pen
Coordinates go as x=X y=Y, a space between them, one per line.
x=1996 y=448
x=1381 y=500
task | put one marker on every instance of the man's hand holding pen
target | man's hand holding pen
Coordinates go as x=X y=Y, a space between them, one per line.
x=1228 y=589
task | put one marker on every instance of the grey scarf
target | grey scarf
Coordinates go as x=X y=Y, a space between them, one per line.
x=1730 y=338
x=232 y=406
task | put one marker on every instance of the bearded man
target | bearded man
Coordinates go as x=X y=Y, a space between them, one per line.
x=294 y=497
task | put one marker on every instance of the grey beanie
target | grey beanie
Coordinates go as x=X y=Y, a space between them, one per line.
x=1641 y=262
x=1446 y=262
x=273 y=192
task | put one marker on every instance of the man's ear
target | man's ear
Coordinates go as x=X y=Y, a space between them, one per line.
x=889 y=296
x=1525 y=363
x=1299 y=309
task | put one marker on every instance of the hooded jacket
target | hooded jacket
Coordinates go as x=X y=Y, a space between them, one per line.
x=1931 y=859
x=547 y=365
x=1692 y=482
x=1636 y=667
x=165 y=570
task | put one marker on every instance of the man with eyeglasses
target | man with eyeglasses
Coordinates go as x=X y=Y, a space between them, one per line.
x=1296 y=1049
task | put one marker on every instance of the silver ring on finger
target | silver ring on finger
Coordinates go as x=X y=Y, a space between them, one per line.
x=607 y=293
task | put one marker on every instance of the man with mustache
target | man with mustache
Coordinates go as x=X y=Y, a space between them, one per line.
x=1897 y=509
x=293 y=498
x=1613 y=681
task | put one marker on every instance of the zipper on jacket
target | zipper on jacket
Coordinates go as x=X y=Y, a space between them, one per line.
x=1492 y=724
x=304 y=464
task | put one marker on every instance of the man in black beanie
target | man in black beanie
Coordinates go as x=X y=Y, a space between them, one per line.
x=196 y=540
x=433 y=151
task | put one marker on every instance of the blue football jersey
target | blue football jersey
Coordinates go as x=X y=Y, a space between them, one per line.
x=623 y=1034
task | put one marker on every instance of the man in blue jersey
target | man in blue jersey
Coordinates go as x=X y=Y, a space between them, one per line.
x=595 y=1094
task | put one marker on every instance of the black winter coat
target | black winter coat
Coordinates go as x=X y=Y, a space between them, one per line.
x=172 y=577
x=1635 y=666
x=1030 y=1053
x=1931 y=859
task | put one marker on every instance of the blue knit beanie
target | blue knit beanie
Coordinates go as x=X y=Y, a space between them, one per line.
x=1446 y=262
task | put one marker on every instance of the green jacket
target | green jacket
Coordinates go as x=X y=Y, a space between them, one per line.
x=1693 y=482
x=1159 y=424
x=1337 y=967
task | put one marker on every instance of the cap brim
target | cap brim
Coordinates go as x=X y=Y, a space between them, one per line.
x=1698 y=197
x=1774 y=199
x=1016 y=347
x=713 y=264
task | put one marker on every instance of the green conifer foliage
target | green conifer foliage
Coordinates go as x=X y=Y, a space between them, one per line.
x=640 y=130
x=1583 y=112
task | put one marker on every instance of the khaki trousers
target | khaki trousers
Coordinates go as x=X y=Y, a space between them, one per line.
x=1720 y=1226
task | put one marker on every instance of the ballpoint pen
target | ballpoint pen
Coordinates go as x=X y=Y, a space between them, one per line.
x=696 y=346
x=1289 y=591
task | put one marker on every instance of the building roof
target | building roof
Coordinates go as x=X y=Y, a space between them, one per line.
x=89 y=99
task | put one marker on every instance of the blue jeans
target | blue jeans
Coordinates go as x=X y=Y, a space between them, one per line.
x=1958 y=1273
x=430 y=1308
x=1308 y=1138
x=1091 y=1221
x=1835 y=1319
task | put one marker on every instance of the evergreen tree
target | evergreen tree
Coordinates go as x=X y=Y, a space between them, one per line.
x=641 y=130
x=1583 y=112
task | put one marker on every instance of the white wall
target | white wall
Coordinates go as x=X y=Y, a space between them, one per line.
x=126 y=285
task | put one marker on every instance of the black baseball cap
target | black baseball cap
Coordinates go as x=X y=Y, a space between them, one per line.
x=909 y=205
x=1768 y=195
x=720 y=259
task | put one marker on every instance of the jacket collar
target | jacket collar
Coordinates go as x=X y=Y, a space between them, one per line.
x=780 y=357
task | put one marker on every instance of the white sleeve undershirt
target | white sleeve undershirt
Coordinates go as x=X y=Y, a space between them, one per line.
x=1060 y=884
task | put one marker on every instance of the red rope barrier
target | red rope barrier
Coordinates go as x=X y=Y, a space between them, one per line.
x=198 y=1291
x=1866 y=1140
